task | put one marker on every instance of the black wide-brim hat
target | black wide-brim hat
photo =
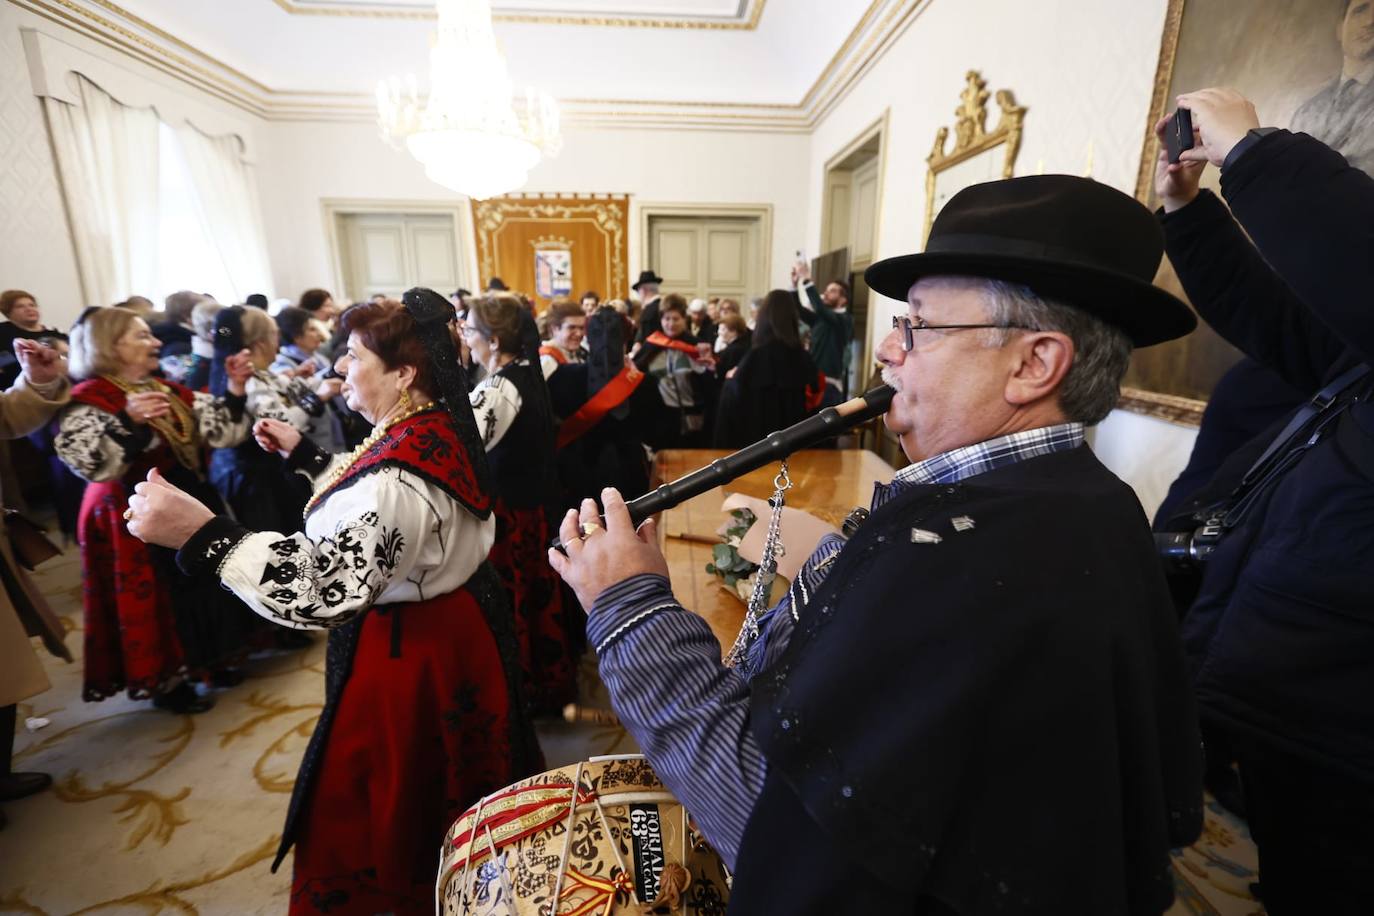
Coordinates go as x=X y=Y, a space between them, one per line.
x=1071 y=239
x=646 y=276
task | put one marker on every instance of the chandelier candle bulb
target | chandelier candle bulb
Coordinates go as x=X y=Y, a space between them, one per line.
x=468 y=134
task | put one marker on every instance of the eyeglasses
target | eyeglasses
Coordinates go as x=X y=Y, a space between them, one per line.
x=908 y=325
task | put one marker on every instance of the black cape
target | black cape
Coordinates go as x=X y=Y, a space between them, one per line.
x=767 y=393
x=611 y=453
x=1000 y=722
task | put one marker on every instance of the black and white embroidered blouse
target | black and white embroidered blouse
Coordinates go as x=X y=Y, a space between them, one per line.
x=98 y=445
x=274 y=397
x=385 y=538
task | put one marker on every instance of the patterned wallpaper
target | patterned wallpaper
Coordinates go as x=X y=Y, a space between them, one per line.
x=35 y=248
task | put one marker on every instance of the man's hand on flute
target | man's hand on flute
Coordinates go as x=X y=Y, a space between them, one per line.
x=597 y=557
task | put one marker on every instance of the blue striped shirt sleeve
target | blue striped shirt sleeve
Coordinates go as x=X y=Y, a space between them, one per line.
x=689 y=713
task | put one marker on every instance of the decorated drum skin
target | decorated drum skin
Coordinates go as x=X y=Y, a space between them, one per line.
x=621 y=844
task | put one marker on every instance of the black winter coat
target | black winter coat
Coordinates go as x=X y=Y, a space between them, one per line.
x=1281 y=636
x=1000 y=722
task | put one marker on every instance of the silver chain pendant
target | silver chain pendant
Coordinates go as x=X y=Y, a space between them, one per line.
x=768 y=571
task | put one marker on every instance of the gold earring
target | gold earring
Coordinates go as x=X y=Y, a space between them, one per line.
x=405 y=401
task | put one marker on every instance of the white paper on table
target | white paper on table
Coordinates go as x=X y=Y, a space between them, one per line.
x=799 y=532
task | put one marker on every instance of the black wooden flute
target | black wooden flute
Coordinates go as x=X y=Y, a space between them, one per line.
x=814 y=429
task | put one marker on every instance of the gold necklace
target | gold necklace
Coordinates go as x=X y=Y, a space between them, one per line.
x=178 y=429
x=377 y=435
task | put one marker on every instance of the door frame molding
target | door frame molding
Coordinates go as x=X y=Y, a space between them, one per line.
x=762 y=212
x=332 y=208
x=877 y=129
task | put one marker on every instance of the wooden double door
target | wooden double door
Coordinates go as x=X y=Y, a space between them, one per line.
x=705 y=256
x=388 y=253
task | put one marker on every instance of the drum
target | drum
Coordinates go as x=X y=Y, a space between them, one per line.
x=596 y=838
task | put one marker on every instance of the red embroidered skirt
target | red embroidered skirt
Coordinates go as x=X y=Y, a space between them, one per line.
x=422 y=731
x=131 y=633
x=520 y=557
x=145 y=621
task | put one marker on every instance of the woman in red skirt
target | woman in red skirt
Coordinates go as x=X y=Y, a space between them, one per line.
x=421 y=715
x=516 y=422
x=144 y=622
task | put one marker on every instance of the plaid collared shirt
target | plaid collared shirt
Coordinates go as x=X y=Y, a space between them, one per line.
x=970 y=460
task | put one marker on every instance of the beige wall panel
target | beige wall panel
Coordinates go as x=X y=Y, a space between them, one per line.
x=677 y=257
x=728 y=251
x=434 y=253
x=865 y=213
x=383 y=255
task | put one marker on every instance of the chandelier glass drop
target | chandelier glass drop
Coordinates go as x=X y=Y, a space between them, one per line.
x=468 y=134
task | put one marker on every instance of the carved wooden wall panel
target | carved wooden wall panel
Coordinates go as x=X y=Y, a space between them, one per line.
x=511 y=230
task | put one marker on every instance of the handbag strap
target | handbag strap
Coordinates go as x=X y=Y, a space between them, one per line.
x=1304 y=430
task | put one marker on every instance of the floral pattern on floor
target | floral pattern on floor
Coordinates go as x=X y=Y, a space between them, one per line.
x=152 y=813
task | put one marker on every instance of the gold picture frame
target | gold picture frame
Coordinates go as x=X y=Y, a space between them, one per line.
x=972 y=140
x=1161 y=405
x=1285 y=58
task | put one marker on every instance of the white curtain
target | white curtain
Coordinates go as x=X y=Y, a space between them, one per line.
x=228 y=195
x=107 y=156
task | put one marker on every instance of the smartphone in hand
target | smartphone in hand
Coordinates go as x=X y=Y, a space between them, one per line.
x=1179 y=135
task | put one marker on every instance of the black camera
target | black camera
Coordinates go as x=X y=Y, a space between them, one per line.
x=1187 y=551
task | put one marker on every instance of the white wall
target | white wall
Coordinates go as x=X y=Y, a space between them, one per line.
x=36 y=251
x=307 y=163
x=1083 y=69
x=1085 y=72
x=1145 y=452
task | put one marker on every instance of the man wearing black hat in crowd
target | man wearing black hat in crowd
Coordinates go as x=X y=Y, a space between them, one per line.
x=646 y=287
x=978 y=703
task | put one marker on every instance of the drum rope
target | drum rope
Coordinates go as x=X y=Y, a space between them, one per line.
x=567 y=841
x=505 y=872
x=615 y=849
x=467 y=864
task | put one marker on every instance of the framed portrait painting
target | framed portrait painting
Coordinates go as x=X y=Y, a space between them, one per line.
x=1294 y=60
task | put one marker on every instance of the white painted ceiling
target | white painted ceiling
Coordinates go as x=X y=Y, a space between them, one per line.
x=644 y=8
x=345 y=46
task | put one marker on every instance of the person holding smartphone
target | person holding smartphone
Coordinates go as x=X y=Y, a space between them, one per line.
x=1279 y=637
x=832 y=328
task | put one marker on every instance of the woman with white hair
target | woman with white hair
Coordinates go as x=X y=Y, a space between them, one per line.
x=145 y=624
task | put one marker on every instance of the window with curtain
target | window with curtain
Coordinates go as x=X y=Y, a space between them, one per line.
x=187 y=257
x=155 y=208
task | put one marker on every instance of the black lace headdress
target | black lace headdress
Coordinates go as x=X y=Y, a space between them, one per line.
x=433 y=314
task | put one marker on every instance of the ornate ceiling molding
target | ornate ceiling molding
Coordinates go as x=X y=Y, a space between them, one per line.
x=105 y=22
x=750 y=12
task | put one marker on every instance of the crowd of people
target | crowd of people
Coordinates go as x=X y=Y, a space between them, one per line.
x=280 y=434
x=985 y=698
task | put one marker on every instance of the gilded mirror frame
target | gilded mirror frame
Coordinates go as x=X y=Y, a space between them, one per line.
x=972 y=137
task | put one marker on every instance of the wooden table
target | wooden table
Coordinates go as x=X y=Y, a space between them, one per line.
x=826 y=483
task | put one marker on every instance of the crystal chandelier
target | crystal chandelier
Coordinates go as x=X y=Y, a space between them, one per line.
x=468 y=134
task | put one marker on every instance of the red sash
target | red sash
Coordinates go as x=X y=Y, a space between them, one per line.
x=105 y=395
x=428 y=446
x=556 y=352
x=603 y=402
x=659 y=339
x=812 y=397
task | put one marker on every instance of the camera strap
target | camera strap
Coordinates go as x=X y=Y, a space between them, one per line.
x=1307 y=427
